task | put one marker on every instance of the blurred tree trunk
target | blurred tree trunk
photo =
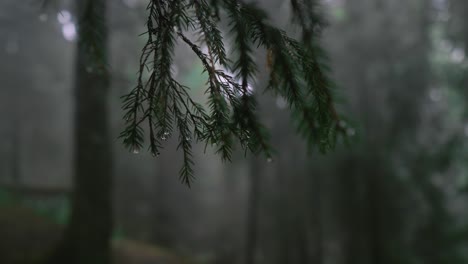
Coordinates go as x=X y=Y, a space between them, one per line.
x=460 y=10
x=350 y=215
x=16 y=149
x=373 y=212
x=164 y=221
x=87 y=237
x=289 y=221
x=316 y=219
x=227 y=244
x=252 y=212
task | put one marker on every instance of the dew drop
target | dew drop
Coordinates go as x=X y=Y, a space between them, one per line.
x=64 y=17
x=69 y=31
x=136 y=150
x=165 y=135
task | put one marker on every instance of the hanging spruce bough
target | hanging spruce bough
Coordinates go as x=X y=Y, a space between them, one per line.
x=296 y=67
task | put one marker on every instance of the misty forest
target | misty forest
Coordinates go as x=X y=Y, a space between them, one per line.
x=234 y=132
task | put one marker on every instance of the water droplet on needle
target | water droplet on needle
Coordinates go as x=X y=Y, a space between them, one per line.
x=135 y=150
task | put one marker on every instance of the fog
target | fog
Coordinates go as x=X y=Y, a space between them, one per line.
x=392 y=191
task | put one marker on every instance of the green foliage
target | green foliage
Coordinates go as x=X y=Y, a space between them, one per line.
x=297 y=72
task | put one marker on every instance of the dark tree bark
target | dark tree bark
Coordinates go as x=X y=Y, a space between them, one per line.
x=162 y=215
x=373 y=213
x=252 y=213
x=460 y=10
x=87 y=236
x=316 y=220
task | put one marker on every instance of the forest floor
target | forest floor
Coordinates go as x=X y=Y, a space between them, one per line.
x=26 y=237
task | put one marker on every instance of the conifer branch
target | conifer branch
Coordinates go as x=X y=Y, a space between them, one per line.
x=297 y=72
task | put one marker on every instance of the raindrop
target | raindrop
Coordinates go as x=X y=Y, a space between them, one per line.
x=188 y=138
x=165 y=135
x=269 y=160
x=89 y=69
x=135 y=149
x=43 y=17
x=155 y=154
x=69 y=31
x=64 y=17
x=247 y=134
x=250 y=89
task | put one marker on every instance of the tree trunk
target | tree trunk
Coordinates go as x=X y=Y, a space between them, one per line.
x=252 y=213
x=16 y=157
x=375 y=199
x=316 y=219
x=162 y=233
x=87 y=237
